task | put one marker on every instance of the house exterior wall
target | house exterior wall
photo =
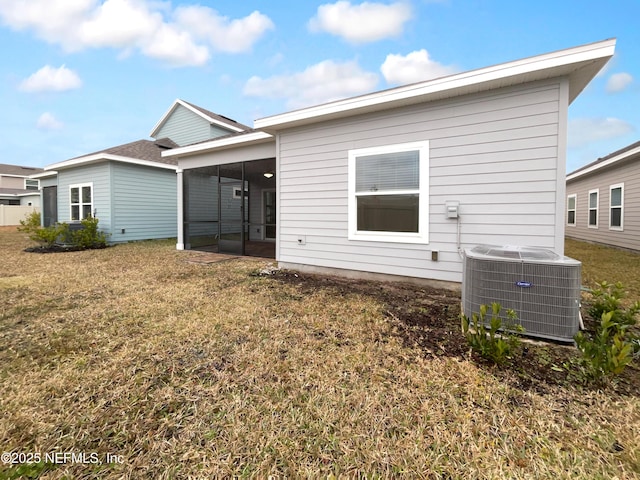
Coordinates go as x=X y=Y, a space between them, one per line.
x=143 y=202
x=11 y=182
x=627 y=173
x=186 y=127
x=499 y=153
x=100 y=176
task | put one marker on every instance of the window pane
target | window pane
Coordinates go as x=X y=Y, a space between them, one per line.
x=616 y=217
x=593 y=200
x=593 y=217
x=388 y=213
x=616 y=197
x=572 y=218
x=86 y=194
x=572 y=203
x=75 y=212
x=75 y=195
x=86 y=211
x=388 y=171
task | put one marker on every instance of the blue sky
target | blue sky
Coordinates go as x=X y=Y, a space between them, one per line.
x=78 y=76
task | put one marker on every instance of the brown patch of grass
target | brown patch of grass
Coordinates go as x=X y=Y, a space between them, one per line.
x=201 y=371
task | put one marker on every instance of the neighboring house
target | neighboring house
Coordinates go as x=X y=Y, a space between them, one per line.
x=603 y=200
x=16 y=186
x=130 y=188
x=395 y=182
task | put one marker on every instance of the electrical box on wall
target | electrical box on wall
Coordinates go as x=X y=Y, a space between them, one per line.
x=452 y=208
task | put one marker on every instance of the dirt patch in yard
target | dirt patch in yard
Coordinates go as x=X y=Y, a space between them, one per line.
x=429 y=319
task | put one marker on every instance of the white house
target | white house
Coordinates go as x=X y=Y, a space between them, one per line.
x=395 y=182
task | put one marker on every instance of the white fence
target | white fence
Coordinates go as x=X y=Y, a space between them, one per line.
x=12 y=214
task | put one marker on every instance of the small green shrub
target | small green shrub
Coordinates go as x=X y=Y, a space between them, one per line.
x=88 y=236
x=607 y=353
x=608 y=298
x=45 y=236
x=483 y=336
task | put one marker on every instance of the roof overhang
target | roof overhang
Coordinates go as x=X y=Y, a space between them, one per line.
x=103 y=157
x=252 y=138
x=46 y=174
x=579 y=64
x=604 y=164
x=211 y=120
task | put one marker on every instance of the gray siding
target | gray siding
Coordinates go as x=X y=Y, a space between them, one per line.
x=144 y=203
x=98 y=174
x=627 y=173
x=186 y=127
x=49 y=181
x=496 y=153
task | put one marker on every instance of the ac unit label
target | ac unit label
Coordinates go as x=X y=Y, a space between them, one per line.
x=522 y=284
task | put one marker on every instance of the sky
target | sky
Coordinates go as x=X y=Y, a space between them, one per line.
x=79 y=76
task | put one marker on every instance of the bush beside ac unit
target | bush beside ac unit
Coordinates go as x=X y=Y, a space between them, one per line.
x=542 y=287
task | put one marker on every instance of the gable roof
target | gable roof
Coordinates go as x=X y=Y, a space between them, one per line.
x=140 y=152
x=621 y=155
x=579 y=64
x=211 y=117
x=17 y=170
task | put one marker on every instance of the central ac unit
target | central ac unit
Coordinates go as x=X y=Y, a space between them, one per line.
x=543 y=288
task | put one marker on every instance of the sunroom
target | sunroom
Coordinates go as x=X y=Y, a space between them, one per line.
x=227 y=195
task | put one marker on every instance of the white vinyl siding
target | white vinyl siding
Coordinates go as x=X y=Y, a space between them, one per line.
x=616 y=207
x=496 y=153
x=572 y=201
x=594 y=201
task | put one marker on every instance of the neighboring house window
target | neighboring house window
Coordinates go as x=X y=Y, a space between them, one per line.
x=30 y=184
x=616 y=206
x=593 y=208
x=571 y=209
x=388 y=193
x=81 y=201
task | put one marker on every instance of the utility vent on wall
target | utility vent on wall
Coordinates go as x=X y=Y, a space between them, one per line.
x=542 y=287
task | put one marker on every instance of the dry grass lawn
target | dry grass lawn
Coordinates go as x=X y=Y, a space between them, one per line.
x=186 y=370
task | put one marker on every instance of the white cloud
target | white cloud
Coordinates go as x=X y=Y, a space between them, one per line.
x=224 y=34
x=323 y=82
x=151 y=27
x=49 y=79
x=414 y=67
x=47 y=121
x=583 y=131
x=366 y=22
x=618 y=82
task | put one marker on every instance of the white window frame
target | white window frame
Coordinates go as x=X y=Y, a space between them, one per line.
x=621 y=207
x=574 y=210
x=596 y=208
x=81 y=203
x=32 y=180
x=422 y=236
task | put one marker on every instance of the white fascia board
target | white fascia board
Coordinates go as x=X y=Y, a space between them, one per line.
x=101 y=157
x=606 y=163
x=544 y=66
x=212 y=145
x=47 y=174
x=194 y=110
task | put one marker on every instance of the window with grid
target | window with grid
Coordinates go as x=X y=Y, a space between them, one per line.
x=81 y=201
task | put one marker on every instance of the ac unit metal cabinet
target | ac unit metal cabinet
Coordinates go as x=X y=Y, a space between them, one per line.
x=543 y=288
